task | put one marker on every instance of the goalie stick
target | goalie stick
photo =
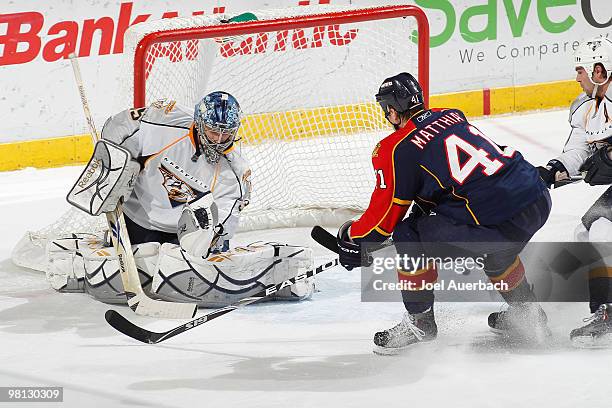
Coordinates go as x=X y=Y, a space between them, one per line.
x=138 y=301
x=130 y=329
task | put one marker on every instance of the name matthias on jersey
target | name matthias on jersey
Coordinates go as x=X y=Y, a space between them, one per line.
x=428 y=132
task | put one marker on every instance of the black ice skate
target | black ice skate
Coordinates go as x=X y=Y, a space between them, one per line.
x=598 y=333
x=522 y=321
x=413 y=328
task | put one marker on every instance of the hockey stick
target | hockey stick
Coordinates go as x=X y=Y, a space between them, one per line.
x=328 y=240
x=138 y=301
x=324 y=238
x=566 y=182
x=138 y=333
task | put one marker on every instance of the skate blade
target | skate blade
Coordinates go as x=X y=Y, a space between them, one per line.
x=388 y=351
x=589 y=342
x=542 y=337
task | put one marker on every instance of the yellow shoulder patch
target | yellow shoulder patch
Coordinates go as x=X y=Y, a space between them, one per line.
x=170 y=106
x=376 y=149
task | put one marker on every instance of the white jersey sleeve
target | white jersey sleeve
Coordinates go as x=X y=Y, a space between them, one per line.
x=591 y=124
x=576 y=149
x=144 y=131
x=161 y=124
x=122 y=127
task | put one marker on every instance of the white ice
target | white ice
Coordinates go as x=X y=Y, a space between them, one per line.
x=311 y=354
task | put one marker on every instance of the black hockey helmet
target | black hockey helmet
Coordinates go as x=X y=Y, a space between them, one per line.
x=402 y=92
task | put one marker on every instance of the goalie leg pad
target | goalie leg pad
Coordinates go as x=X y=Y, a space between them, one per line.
x=84 y=263
x=102 y=275
x=300 y=291
x=65 y=266
x=226 y=277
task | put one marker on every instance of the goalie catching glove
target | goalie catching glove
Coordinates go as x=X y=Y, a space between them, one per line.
x=109 y=176
x=199 y=228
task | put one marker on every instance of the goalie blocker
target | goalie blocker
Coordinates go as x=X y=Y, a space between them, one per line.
x=83 y=263
x=108 y=177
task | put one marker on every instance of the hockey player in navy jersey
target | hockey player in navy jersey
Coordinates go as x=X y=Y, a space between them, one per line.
x=588 y=149
x=463 y=188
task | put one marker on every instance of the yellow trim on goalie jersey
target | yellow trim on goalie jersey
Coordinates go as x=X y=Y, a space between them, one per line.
x=305 y=124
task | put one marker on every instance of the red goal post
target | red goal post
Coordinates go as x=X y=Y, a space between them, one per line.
x=306 y=21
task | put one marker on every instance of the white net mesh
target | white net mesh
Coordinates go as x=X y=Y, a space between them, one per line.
x=308 y=95
x=311 y=121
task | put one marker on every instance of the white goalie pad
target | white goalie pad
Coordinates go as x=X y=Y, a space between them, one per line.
x=109 y=175
x=227 y=277
x=83 y=263
x=65 y=265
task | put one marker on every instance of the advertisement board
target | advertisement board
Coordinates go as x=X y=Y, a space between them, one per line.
x=475 y=44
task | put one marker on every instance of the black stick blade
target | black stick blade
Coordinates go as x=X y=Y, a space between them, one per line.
x=324 y=238
x=565 y=182
x=128 y=328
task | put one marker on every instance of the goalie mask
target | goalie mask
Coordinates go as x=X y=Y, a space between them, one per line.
x=217 y=119
x=402 y=92
x=593 y=51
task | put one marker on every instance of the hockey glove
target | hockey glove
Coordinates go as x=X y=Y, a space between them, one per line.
x=598 y=168
x=109 y=177
x=348 y=251
x=548 y=174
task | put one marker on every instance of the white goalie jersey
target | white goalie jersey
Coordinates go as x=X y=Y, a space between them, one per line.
x=161 y=139
x=591 y=122
x=176 y=180
x=163 y=132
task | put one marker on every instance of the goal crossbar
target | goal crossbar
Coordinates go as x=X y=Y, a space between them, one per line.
x=297 y=22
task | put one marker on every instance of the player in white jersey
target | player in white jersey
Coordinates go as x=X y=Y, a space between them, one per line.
x=183 y=186
x=165 y=133
x=588 y=151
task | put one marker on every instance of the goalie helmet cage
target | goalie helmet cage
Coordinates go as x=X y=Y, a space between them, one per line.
x=305 y=78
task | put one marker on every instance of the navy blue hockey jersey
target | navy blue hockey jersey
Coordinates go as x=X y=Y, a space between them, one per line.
x=448 y=166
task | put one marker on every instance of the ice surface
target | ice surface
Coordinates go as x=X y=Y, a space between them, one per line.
x=312 y=354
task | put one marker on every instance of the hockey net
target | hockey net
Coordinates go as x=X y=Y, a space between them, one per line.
x=305 y=78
